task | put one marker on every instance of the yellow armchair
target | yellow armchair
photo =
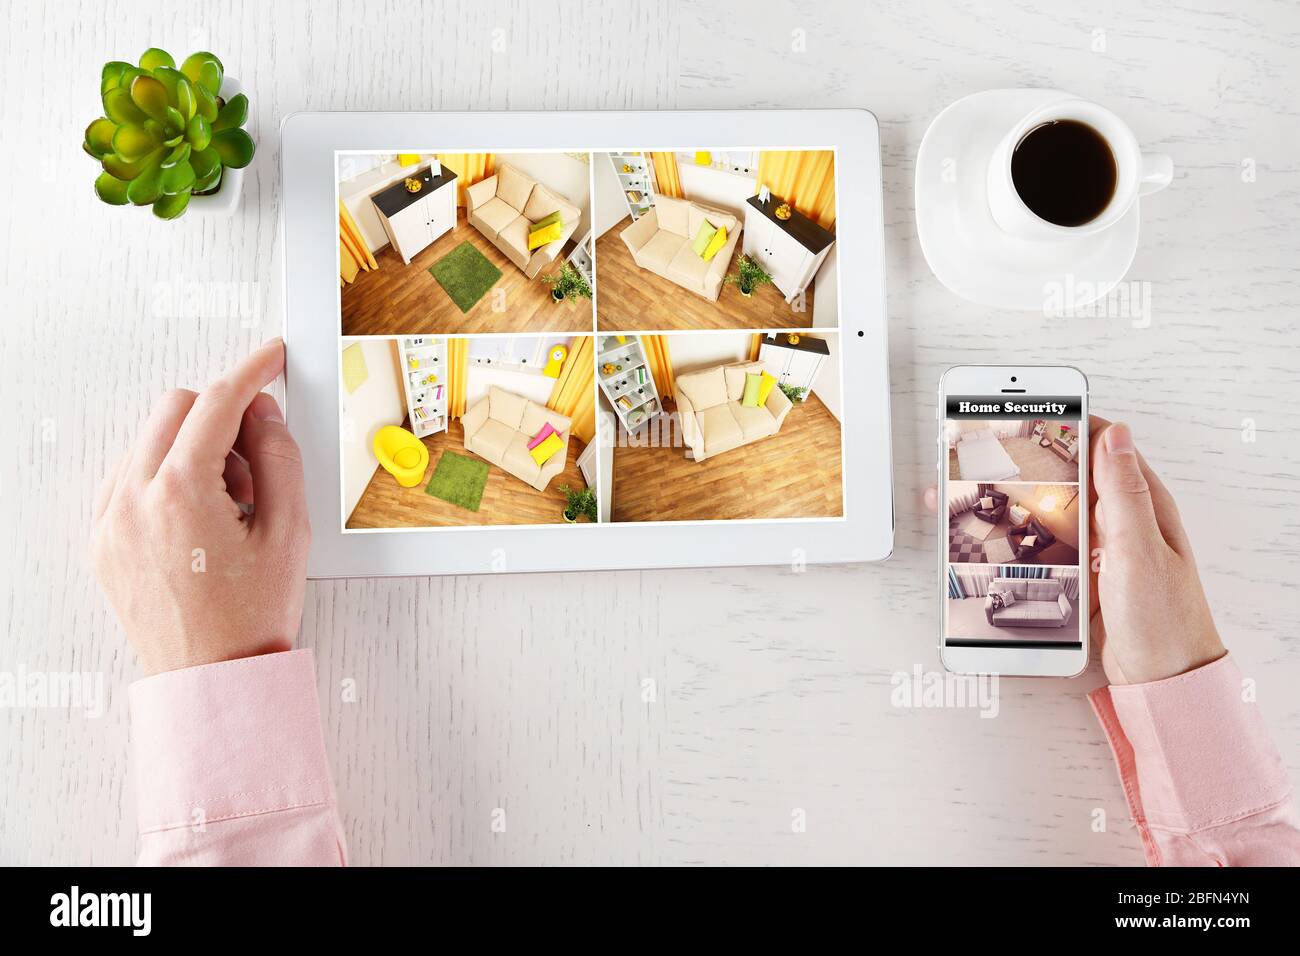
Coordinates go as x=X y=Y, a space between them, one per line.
x=401 y=454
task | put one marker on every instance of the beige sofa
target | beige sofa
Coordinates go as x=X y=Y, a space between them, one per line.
x=661 y=240
x=506 y=204
x=1040 y=602
x=710 y=415
x=499 y=428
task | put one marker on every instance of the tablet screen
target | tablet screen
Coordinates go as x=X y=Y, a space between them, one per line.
x=568 y=338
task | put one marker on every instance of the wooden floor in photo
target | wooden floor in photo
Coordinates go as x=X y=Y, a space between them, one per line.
x=796 y=473
x=632 y=299
x=506 y=499
x=398 y=299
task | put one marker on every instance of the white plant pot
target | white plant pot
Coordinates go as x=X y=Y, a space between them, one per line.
x=225 y=200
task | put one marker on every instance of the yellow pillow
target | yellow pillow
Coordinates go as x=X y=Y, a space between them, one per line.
x=548 y=233
x=719 y=240
x=543 y=452
x=765 y=388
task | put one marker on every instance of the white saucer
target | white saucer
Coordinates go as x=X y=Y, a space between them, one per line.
x=966 y=249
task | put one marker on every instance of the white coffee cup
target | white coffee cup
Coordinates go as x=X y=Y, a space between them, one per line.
x=1136 y=173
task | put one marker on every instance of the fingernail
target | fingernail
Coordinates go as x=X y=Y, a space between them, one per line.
x=267 y=409
x=1119 y=440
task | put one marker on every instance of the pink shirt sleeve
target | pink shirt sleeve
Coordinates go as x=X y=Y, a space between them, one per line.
x=230 y=766
x=1203 y=780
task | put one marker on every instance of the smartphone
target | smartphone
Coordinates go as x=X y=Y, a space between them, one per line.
x=1013 y=520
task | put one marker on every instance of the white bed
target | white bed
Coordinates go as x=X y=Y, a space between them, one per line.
x=981 y=457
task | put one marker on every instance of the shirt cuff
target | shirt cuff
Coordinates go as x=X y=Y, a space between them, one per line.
x=228 y=740
x=1192 y=754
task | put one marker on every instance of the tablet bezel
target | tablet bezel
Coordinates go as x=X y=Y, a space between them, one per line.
x=309 y=142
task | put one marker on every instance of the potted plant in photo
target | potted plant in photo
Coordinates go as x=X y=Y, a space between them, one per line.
x=580 y=503
x=749 y=275
x=568 y=283
x=793 y=392
x=170 y=138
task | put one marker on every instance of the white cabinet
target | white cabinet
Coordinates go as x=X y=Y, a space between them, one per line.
x=796 y=365
x=790 y=251
x=759 y=232
x=409 y=231
x=413 y=221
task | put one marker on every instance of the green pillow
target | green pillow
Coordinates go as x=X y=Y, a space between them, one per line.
x=752 y=384
x=703 y=238
x=548 y=221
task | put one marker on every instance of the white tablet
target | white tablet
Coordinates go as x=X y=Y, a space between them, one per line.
x=573 y=341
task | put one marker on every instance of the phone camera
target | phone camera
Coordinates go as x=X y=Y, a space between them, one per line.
x=1013 y=378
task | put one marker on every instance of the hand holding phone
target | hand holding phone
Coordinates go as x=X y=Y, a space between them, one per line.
x=1013 y=520
x=1151 y=614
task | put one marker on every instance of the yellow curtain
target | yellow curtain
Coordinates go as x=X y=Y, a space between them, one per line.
x=574 y=394
x=457 y=372
x=755 y=343
x=470 y=168
x=668 y=182
x=354 y=254
x=803 y=178
x=661 y=364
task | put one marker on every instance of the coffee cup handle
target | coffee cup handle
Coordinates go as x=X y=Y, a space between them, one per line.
x=1157 y=173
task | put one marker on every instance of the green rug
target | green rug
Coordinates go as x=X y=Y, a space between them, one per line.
x=466 y=274
x=459 y=480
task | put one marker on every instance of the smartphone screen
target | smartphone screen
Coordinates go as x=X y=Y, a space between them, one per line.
x=1014 y=520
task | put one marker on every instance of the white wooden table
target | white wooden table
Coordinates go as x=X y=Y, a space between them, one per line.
x=773 y=689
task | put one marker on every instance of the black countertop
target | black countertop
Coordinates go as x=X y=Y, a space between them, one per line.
x=396 y=197
x=806 y=343
x=799 y=227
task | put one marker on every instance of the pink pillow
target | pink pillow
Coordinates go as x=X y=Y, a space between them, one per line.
x=541 y=436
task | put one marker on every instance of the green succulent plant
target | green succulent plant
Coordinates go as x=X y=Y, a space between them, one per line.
x=166 y=133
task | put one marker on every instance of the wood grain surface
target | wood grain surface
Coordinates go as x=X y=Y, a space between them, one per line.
x=399 y=299
x=794 y=473
x=669 y=716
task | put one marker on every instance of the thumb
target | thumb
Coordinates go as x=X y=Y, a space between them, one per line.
x=279 y=492
x=1122 y=489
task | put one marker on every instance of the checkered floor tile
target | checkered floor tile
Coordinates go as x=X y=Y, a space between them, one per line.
x=962 y=548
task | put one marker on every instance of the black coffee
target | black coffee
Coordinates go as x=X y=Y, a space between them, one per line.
x=1064 y=171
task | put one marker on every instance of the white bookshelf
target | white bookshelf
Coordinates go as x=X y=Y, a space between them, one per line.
x=630 y=387
x=581 y=259
x=424 y=375
x=636 y=175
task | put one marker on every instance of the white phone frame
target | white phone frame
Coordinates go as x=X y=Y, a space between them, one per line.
x=990 y=380
x=309 y=143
